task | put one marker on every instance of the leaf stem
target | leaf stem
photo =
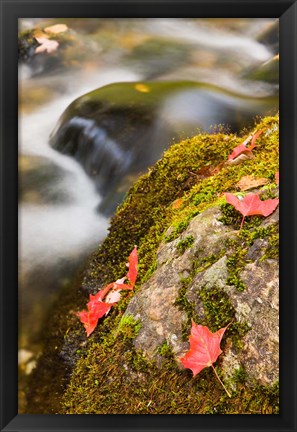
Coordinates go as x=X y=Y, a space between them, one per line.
x=220 y=381
x=241 y=223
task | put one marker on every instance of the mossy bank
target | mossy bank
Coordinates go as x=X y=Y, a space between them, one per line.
x=115 y=370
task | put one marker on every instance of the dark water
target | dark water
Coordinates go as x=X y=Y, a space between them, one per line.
x=125 y=89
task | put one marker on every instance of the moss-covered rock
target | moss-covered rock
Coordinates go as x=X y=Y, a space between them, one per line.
x=117 y=369
x=213 y=298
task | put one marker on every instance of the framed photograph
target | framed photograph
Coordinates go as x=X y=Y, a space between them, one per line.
x=148 y=215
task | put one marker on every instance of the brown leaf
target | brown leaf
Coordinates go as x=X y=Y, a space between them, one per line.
x=57 y=28
x=250 y=182
x=177 y=203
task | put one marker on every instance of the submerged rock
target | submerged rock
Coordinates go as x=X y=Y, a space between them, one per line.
x=50 y=177
x=116 y=132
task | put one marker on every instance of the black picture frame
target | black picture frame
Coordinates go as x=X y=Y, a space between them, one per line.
x=286 y=11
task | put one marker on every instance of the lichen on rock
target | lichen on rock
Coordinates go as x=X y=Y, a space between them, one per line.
x=256 y=306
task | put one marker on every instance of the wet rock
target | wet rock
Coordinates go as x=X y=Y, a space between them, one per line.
x=26 y=46
x=209 y=235
x=270 y=36
x=49 y=177
x=256 y=251
x=156 y=56
x=116 y=132
x=64 y=48
x=268 y=71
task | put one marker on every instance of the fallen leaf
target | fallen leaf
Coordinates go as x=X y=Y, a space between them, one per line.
x=143 y=88
x=177 y=203
x=208 y=171
x=204 y=349
x=57 y=28
x=113 y=296
x=249 y=182
x=132 y=265
x=38 y=33
x=252 y=205
x=101 y=303
x=97 y=308
x=89 y=321
x=91 y=317
x=46 y=45
x=256 y=136
x=242 y=157
x=242 y=148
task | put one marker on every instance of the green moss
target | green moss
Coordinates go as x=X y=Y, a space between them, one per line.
x=219 y=311
x=240 y=376
x=272 y=251
x=185 y=244
x=128 y=327
x=165 y=351
x=259 y=232
x=200 y=265
x=235 y=264
x=181 y=301
x=230 y=216
x=177 y=229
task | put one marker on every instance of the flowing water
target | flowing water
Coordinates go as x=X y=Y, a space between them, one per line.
x=59 y=221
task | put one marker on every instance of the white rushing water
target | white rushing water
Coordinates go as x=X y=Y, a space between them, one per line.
x=49 y=233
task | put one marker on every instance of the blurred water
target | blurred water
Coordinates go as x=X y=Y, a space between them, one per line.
x=54 y=237
x=58 y=222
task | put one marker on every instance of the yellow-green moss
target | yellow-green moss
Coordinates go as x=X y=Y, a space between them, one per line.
x=128 y=327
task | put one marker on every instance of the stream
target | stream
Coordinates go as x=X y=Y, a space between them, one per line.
x=99 y=110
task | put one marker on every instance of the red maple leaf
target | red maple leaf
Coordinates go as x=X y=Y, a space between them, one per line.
x=91 y=317
x=252 y=205
x=242 y=148
x=88 y=320
x=204 y=349
x=97 y=307
x=132 y=265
